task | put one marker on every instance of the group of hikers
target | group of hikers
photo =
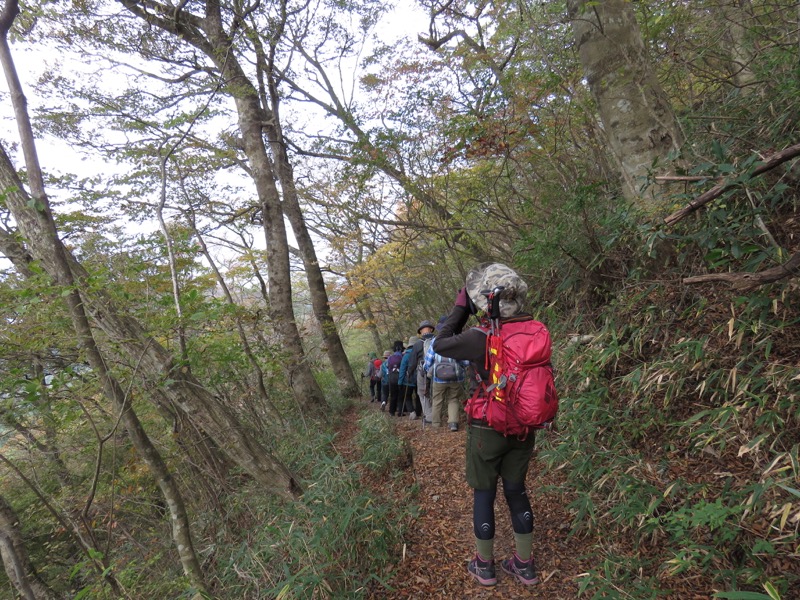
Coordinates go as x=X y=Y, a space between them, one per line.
x=413 y=379
x=505 y=363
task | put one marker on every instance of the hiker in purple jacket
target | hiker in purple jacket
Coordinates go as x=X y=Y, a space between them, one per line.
x=393 y=368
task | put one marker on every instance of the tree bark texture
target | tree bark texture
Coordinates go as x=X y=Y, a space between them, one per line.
x=637 y=117
x=18 y=566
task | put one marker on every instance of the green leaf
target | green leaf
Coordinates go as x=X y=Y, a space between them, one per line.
x=742 y=596
x=790 y=490
x=773 y=593
x=718 y=150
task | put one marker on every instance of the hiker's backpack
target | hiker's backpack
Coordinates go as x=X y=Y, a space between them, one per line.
x=422 y=376
x=393 y=367
x=520 y=394
x=376 y=368
x=446 y=370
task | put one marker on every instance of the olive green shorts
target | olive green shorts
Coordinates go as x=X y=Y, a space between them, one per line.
x=490 y=454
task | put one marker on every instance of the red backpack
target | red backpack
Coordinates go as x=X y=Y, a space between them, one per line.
x=376 y=371
x=521 y=394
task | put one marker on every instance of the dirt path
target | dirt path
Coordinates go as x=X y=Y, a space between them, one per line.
x=440 y=541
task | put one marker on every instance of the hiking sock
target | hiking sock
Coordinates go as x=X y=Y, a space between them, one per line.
x=485 y=549
x=523 y=543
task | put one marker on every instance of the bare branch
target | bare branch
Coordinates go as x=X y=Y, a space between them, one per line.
x=773 y=161
x=747 y=281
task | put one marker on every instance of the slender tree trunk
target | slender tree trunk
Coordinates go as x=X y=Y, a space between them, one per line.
x=301 y=377
x=44 y=406
x=636 y=114
x=733 y=17
x=18 y=567
x=320 y=302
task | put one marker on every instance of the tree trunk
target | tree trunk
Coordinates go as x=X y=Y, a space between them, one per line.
x=45 y=407
x=636 y=114
x=301 y=378
x=320 y=302
x=18 y=567
x=733 y=16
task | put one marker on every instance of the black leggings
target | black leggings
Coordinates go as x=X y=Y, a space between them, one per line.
x=375 y=389
x=518 y=505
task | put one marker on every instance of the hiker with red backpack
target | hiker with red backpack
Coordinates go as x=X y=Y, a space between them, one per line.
x=512 y=395
x=373 y=372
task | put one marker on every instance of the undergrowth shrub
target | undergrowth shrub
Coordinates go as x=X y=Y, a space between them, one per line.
x=336 y=541
x=679 y=433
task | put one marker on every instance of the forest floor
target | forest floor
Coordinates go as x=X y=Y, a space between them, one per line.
x=439 y=542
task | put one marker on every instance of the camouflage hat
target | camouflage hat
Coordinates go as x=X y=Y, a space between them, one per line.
x=411 y=341
x=425 y=324
x=387 y=354
x=484 y=278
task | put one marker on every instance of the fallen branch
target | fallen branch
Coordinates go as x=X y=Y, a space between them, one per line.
x=715 y=192
x=669 y=178
x=747 y=281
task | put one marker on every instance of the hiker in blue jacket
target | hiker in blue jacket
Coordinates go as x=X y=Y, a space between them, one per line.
x=384 y=374
x=408 y=380
x=447 y=377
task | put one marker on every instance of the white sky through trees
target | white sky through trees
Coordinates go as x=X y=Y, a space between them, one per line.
x=58 y=157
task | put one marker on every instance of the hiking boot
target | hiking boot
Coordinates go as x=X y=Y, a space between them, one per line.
x=383 y=405
x=523 y=570
x=482 y=570
x=453 y=426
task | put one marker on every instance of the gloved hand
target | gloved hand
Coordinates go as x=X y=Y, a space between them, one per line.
x=463 y=299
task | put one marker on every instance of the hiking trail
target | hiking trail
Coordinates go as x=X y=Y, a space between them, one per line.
x=439 y=541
